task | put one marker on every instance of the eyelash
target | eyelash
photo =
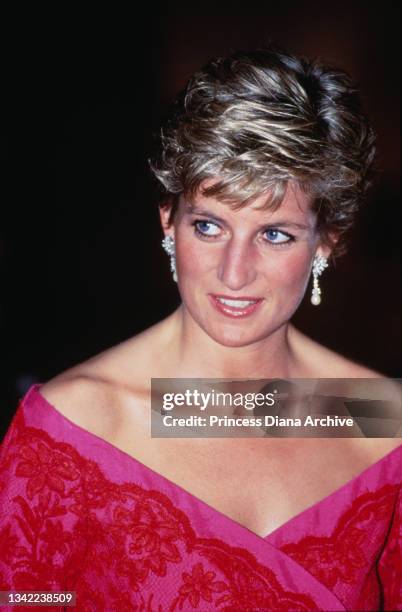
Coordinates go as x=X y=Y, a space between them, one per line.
x=290 y=237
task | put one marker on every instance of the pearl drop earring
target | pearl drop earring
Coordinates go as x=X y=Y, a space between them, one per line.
x=319 y=265
x=169 y=246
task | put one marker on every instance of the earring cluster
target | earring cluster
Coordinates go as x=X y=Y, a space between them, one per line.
x=169 y=246
x=319 y=265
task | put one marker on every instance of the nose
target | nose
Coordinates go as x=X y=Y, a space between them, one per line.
x=236 y=267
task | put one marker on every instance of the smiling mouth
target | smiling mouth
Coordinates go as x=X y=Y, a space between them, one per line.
x=235 y=307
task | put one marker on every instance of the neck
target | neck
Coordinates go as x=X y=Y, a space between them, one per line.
x=198 y=355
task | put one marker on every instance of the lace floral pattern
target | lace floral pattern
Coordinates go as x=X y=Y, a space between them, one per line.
x=338 y=559
x=68 y=527
x=72 y=526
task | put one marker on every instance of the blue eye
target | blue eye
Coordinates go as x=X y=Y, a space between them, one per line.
x=206 y=228
x=275 y=236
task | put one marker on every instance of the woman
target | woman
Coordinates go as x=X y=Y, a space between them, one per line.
x=263 y=160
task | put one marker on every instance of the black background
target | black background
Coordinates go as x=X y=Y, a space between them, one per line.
x=82 y=266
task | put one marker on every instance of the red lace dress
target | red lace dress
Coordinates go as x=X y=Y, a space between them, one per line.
x=77 y=514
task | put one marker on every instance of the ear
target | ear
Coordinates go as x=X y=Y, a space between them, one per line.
x=164 y=213
x=325 y=247
x=324 y=250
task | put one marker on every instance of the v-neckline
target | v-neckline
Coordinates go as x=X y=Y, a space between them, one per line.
x=34 y=389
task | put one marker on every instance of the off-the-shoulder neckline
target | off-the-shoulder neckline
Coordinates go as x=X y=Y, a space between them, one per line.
x=34 y=392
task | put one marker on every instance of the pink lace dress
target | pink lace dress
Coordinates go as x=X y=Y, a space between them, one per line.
x=77 y=514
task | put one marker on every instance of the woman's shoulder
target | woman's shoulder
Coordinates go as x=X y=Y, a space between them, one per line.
x=319 y=361
x=102 y=393
x=95 y=395
x=84 y=400
x=340 y=376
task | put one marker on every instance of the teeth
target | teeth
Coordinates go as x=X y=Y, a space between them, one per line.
x=237 y=303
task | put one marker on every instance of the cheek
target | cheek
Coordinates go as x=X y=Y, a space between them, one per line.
x=187 y=257
x=192 y=259
x=288 y=270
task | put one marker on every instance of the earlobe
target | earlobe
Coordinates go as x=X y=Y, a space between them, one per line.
x=324 y=251
x=164 y=213
x=326 y=247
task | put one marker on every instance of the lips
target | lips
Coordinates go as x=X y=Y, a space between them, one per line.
x=235 y=307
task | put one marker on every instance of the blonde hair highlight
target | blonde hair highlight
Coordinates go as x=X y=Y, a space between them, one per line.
x=257 y=120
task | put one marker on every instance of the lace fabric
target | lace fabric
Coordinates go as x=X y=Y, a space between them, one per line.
x=78 y=514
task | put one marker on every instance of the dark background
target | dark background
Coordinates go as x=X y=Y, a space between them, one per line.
x=82 y=266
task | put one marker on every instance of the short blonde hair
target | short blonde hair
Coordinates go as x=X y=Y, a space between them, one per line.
x=259 y=119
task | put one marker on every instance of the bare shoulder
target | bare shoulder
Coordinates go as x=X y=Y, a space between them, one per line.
x=111 y=388
x=318 y=361
x=321 y=362
x=87 y=402
x=98 y=394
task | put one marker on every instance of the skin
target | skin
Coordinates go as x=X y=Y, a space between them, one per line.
x=242 y=260
x=109 y=394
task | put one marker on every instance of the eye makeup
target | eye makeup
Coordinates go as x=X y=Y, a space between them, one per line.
x=279 y=238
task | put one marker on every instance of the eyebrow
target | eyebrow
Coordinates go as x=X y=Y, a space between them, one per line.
x=195 y=210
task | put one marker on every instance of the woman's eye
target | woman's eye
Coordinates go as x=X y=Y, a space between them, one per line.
x=206 y=228
x=275 y=236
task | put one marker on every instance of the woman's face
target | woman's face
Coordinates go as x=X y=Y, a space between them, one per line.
x=242 y=274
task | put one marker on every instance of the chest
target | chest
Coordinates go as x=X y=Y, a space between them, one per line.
x=260 y=484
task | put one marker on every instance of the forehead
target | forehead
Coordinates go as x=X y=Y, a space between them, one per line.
x=295 y=206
